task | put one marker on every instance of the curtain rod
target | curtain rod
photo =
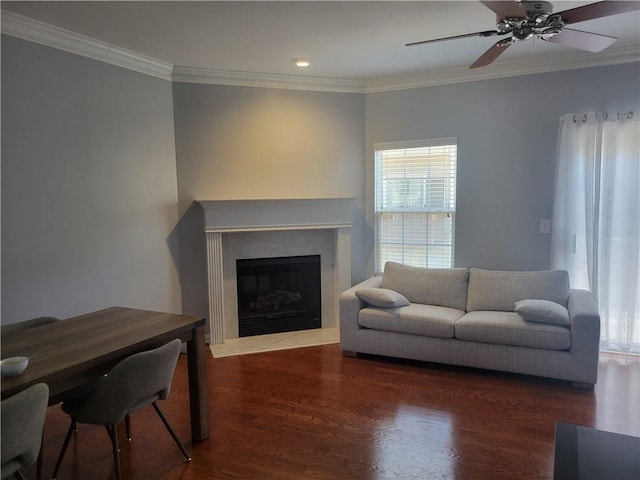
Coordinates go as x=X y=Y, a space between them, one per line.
x=619 y=116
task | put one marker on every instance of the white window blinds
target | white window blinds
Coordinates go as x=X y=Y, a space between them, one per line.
x=415 y=203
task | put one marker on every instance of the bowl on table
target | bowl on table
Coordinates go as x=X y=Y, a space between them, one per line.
x=13 y=365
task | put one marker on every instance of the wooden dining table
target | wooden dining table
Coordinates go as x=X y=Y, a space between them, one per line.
x=72 y=352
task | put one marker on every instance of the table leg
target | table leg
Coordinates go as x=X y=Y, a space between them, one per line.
x=198 y=398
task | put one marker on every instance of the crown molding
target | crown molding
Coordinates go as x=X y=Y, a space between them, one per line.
x=513 y=68
x=268 y=80
x=48 y=35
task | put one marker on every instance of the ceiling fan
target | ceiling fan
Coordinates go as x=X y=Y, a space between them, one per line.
x=528 y=19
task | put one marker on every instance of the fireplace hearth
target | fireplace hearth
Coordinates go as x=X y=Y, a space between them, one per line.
x=279 y=294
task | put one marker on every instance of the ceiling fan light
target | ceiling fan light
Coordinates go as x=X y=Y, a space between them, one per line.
x=523 y=33
x=301 y=62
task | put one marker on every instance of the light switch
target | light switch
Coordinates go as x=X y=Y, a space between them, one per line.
x=545 y=226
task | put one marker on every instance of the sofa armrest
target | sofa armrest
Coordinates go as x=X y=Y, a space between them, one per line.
x=585 y=329
x=584 y=313
x=350 y=306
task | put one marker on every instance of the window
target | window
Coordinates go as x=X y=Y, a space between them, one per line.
x=415 y=203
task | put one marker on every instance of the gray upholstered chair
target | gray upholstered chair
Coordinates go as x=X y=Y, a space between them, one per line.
x=22 y=422
x=135 y=382
x=8 y=330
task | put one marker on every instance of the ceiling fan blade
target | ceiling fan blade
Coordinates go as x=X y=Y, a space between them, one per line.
x=598 y=10
x=488 y=33
x=591 y=42
x=490 y=55
x=506 y=9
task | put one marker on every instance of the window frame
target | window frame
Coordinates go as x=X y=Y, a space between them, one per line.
x=450 y=212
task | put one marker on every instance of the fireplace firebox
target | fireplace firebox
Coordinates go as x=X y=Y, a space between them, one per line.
x=279 y=294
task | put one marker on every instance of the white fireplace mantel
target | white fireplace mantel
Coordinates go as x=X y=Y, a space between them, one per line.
x=264 y=215
x=276 y=214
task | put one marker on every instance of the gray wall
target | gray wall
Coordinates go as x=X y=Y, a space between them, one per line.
x=507 y=137
x=89 y=196
x=95 y=194
x=263 y=143
x=243 y=142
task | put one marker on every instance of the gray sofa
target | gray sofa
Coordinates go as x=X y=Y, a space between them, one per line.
x=523 y=322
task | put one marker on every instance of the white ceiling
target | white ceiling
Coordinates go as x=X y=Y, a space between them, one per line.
x=344 y=39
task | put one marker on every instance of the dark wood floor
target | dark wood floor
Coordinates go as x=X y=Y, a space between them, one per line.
x=313 y=414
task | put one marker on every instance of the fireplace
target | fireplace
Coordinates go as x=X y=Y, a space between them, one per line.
x=271 y=228
x=280 y=294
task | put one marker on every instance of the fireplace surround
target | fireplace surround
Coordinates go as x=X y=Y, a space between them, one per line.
x=274 y=227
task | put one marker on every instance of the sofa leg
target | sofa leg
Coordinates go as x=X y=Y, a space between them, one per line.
x=583 y=386
x=349 y=353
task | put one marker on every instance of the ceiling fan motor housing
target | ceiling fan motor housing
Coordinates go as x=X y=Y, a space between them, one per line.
x=539 y=20
x=533 y=8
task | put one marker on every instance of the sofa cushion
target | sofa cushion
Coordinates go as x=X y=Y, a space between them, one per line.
x=445 y=287
x=508 y=328
x=497 y=290
x=382 y=297
x=543 y=311
x=415 y=319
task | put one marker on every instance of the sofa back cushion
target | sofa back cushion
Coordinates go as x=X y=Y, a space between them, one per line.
x=446 y=287
x=499 y=291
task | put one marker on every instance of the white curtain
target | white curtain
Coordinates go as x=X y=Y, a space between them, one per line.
x=596 y=218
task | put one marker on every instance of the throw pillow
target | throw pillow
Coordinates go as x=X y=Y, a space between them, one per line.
x=543 y=311
x=382 y=297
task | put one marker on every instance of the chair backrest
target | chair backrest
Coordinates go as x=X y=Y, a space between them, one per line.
x=133 y=383
x=22 y=422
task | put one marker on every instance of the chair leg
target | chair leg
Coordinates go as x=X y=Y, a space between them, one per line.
x=67 y=439
x=171 y=432
x=113 y=435
x=39 y=460
x=127 y=425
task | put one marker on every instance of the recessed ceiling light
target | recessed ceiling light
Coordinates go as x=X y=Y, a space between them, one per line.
x=301 y=62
